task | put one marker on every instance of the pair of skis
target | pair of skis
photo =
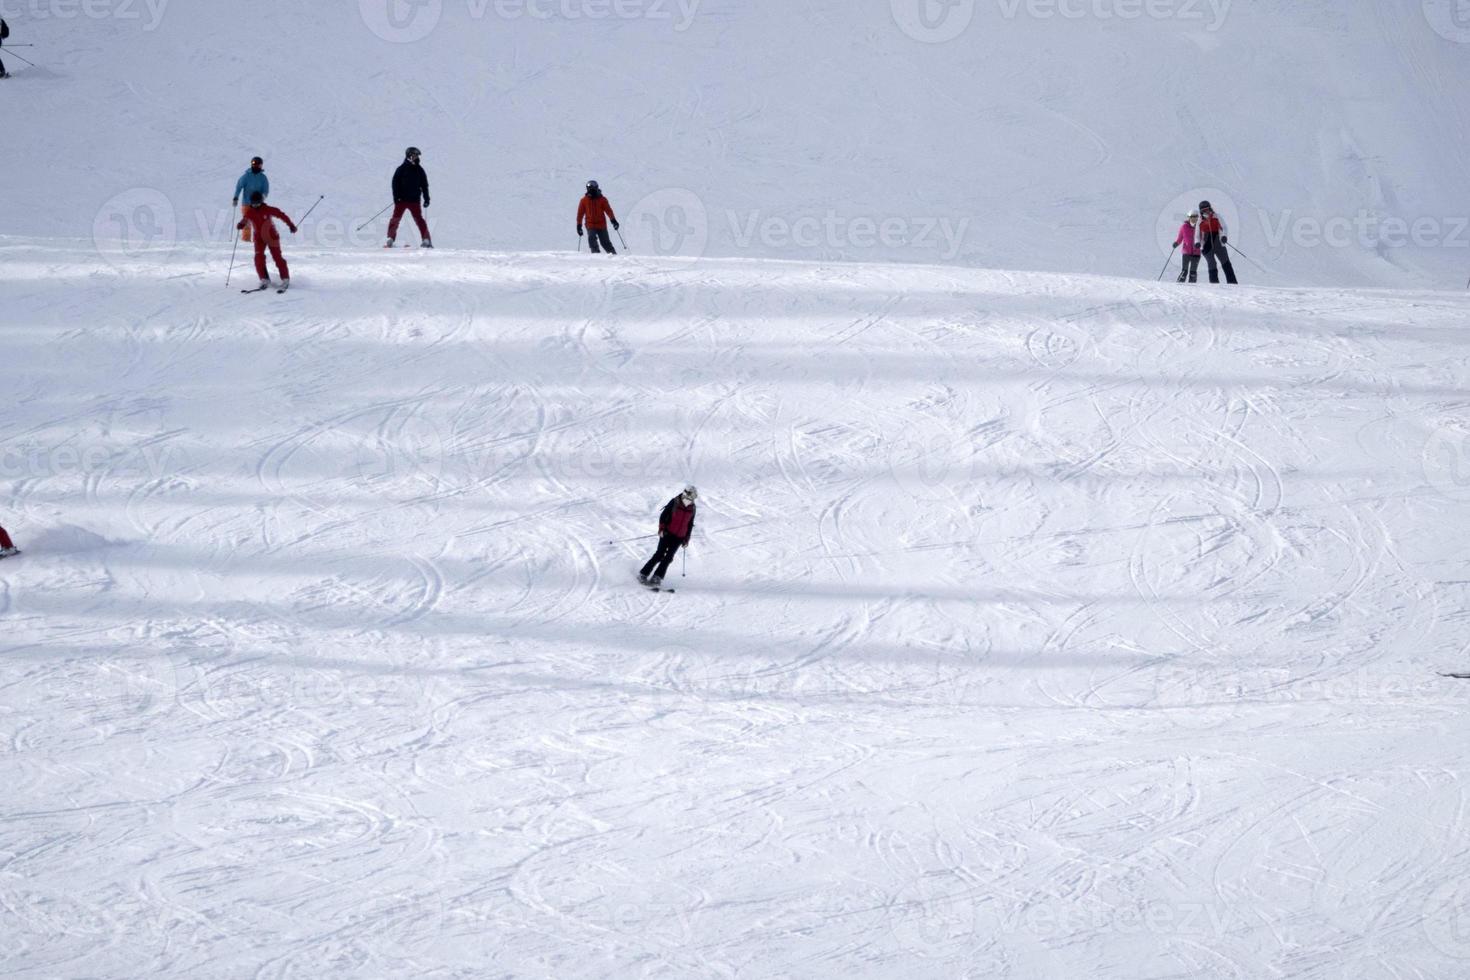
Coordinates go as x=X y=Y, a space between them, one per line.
x=261 y=289
x=651 y=587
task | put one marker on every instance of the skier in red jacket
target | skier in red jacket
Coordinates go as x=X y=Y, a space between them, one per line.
x=7 y=546
x=595 y=212
x=262 y=218
x=675 y=528
x=1214 y=240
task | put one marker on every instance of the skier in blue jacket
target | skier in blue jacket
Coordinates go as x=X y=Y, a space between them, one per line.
x=251 y=181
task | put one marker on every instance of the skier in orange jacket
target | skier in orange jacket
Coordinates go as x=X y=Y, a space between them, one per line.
x=595 y=212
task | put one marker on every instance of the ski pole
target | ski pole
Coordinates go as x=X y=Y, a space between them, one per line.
x=1237 y=251
x=27 y=61
x=372 y=219
x=641 y=537
x=232 y=260
x=684 y=572
x=620 y=238
x=1167 y=262
x=311 y=209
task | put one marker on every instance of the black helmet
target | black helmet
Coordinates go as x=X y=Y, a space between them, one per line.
x=592 y=185
x=413 y=151
x=1205 y=206
x=257 y=162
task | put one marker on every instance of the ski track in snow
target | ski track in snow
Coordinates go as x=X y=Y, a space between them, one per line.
x=1035 y=625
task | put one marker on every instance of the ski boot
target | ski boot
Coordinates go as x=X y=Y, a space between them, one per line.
x=388 y=243
x=428 y=243
x=7 y=552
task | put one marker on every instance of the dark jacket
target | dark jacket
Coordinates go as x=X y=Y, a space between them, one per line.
x=410 y=183
x=676 y=516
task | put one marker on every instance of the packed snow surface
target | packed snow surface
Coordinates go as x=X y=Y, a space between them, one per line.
x=1034 y=625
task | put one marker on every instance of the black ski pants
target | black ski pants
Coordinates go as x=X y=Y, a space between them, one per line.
x=1217 y=251
x=668 y=547
x=596 y=236
x=1190 y=270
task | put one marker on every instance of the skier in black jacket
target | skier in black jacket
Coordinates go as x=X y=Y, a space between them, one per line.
x=675 y=528
x=410 y=183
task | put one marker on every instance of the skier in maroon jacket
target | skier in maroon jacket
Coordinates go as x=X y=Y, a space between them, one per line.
x=7 y=546
x=262 y=218
x=675 y=528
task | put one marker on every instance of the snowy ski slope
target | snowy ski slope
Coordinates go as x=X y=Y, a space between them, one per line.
x=1035 y=626
x=1061 y=135
x=1039 y=624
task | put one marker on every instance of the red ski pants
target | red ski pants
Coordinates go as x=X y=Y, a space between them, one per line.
x=275 y=246
x=412 y=207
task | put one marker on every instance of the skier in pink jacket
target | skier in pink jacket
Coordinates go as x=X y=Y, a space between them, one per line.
x=1190 y=240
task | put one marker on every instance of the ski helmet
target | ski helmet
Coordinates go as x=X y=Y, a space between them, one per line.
x=592 y=186
x=257 y=162
x=1205 y=206
x=690 y=493
x=413 y=152
x=1192 y=216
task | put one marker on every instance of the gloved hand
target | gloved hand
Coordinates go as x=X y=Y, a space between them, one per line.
x=240 y=226
x=235 y=203
x=426 y=202
x=293 y=229
x=616 y=226
x=579 y=231
x=1176 y=245
x=1224 y=239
